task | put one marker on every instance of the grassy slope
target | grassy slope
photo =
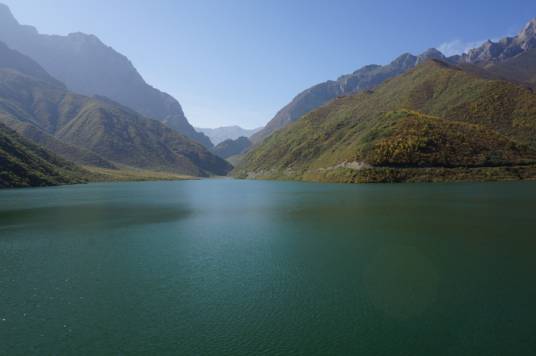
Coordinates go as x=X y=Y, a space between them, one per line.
x=108 y=131
x=365 y=78
x=410 y=139
x=344 y=130
x=24 y=164
x=69 y=152
x=99 y=174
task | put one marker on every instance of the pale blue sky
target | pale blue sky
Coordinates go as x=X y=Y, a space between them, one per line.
x=239 y=61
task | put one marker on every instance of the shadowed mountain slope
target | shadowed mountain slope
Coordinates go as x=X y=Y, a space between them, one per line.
x=521 y=68
x=24 y=164
x=89 y=67
x=94 y=131
x=107 y=130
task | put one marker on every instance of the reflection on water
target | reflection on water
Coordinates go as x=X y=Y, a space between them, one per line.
x=91 y=216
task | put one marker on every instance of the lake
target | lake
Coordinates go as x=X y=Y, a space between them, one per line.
x=229 y=267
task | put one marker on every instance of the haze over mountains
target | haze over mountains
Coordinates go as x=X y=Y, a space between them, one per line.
x=89 y=67
x=229 y=148
x=220 y=134
x=89 y=131
x=71 y=107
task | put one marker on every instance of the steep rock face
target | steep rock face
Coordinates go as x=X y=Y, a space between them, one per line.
x=365 y=78
x=508 y=47
x=89 y=67
x=511 y=58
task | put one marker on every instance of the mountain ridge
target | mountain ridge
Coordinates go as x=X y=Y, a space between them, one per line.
x=365 y=78
x=369 y=76
x=505 y=48
x=491 y=118
x=24 y=164
x=229 y=147
x=89 y=67
x=223 y=133
x=94 y=131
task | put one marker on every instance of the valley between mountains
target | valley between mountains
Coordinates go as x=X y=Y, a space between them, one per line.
x=74 y=110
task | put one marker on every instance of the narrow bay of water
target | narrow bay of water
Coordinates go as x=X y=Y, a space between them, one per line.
x=227 y=267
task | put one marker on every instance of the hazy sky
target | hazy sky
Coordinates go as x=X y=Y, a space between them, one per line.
x=239 y=61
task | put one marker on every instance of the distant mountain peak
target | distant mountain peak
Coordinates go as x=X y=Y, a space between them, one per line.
x=13 y=60
x=6 y=16
x=505 y=48
x=220 y=134
x=530 y=27
x=88 y=66
x=85 y=37
x=404 y=60
x=230 y=147
x=430 y=53
x=527 y=37
x=8 y=22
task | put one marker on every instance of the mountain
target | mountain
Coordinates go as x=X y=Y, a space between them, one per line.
x=488 y=55
x=221 y=134
x=89 y=67
x=521 y=68
x=66 y=151
x=15 y=60
x=230 y=147
x=101 y=127
x=10 y=59
x=511 y=58
x=508 y=47
x=436 y=122
x=365 y=78
x=24 y=164
x=92 y=131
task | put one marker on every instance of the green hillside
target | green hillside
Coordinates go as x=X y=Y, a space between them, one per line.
x=23 y=164
x=407 y=138
x=434 y=118
x=69 y=152
x=100 y=132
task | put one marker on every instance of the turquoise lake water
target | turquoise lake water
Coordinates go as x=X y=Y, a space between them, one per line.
x=228 y=267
